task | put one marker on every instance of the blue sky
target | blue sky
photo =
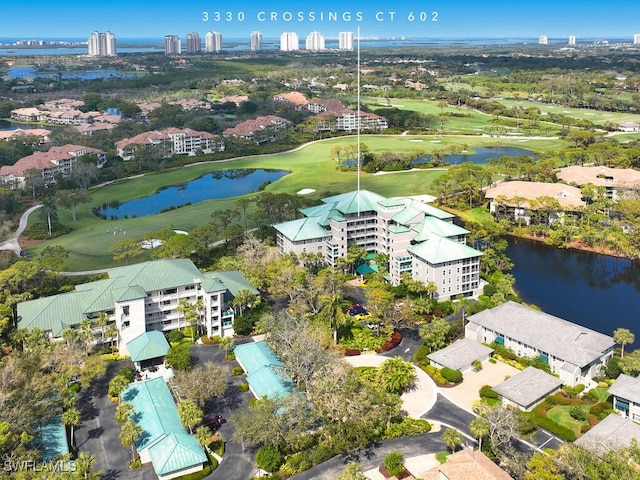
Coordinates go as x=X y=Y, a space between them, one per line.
x=456 y=18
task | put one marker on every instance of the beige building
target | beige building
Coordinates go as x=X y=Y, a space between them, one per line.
x=421 y=240
x=170 y=142
x=614 y=180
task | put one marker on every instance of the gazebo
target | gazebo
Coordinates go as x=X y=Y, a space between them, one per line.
x=148 y=350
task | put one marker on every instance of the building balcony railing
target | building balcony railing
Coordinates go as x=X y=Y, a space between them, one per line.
x=227 y=313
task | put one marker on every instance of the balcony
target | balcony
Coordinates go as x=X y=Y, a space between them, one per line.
x=228 y=313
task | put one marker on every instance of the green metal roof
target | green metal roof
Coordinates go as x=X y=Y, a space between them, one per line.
x=398 y=229
x=431 y=225
x=175 y=452
x=306 y=228
x=367 y=268
x=407 y=214
x=147 y=346
x=52 y=436
x=234 y=281
x=391 y=202
x=354 y=202
x=264 y=370
x=162 y=432
x=438 y=250
x=57 y=312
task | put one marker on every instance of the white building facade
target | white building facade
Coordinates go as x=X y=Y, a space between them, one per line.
x=213 y=42
x=315 y=42
x=289 y=42
x=256 y=41
x=345 y=41
x=102 y=44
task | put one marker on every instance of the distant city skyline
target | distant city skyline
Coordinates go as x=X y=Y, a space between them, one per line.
x=616 y=19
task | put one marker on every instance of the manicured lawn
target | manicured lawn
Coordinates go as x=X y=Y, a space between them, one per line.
x=311 y=166
x=601 y=393
x=560 y=415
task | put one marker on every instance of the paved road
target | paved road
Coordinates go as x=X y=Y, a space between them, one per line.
x=11 y=243
x=98 y=434
x=450 y=415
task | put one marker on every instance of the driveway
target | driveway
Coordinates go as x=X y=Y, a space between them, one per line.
x=98 y=433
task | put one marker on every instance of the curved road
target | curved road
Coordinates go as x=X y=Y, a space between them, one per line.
x=11 y=243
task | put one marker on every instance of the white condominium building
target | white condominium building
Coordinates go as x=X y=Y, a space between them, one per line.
x=421 y=240
x=345 y=41
x=172 y=45
x=636 y=39
x=102 y=44
x=543 y=40
x=256 y=41
x=572 y=39
x=213 y=42
x=315 y=42
x=289 y=42
x=194 y=45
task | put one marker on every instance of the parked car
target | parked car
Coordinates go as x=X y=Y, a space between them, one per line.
x=214 y=422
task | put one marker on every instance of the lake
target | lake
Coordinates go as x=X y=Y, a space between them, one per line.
x=481 y=155
x=221 y=184
x=595 y=291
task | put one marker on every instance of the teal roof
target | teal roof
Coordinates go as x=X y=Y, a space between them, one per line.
x=175 y=452
x=431 y=225
x=57 y=312
x=306 y=228
x=52 y=436
x=147 y=346
x=407 y=214
x=264 y=370
x=398 y=229
x=354 y=202
x=168 y=442
x=438 y=250
x=233 y=280
x=366 y=269
x=391 y=202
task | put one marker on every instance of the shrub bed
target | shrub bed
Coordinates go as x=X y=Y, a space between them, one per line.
x=453 y=376
x=210 y=340
x=406 y=426
x=487 y=392
x=351 y=352
x=421 y=353
x=393 y=342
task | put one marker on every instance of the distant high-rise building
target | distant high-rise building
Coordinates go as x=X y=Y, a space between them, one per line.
x=172 y=45
x=289 y=42
x=543 y=40
x=572 y=39
x=256 y=41
x=636 y=39
x=194 y=45
x=345 y=41
x=315 y=42
x=102 y=44
x=213 y=42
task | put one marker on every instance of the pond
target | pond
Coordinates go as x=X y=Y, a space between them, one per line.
x=596 y=291
x=481 y=155
x=221 y=184
x=5 y=125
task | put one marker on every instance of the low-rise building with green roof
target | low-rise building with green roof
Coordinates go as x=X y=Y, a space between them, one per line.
x=264 y=370
x=164 y=441
x=148 y=349
x=420 y=239
x=141 y=298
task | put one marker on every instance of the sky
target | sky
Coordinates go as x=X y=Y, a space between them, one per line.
x=67 y=19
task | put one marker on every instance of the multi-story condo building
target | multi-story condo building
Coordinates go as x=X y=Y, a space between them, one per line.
x=56 y=161
x=543 y=40
x=256 y=41
x=259 y=130
x=615 y=181
x=141 y=298
x=169 y=142
x=101 y=44
x=575 y=353
x=194 y=45
x=289 y=42
x=345 y=41
x=172 y=45
x=213 y=42
x=421 y=240
x=636 y=39
x=315 y=42
x=572 y=39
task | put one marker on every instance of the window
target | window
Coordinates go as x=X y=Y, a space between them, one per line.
x=125 y=310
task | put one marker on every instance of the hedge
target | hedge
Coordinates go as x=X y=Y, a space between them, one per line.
x=421 y=353
x=564 y=433
x=453 y=376
x=601 y=410
x=487 y=392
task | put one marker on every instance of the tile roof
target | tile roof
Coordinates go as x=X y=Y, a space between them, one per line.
x=460 y=355
x=626 y=387
x=48 y=159
x=566 y=195
x=620 y=177
x=565 y=340
x=528 y=386
x=157 y=136
x=467 y=464
x=249 y=127
x=148 y=345
x=19 y=132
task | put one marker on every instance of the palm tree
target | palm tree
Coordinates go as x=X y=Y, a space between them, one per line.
x=71 y=417
x=396 y=375
x=203 y=434
x=452 y=438
x=112 y=332
x=226 y=343
x=333 y=312
x=129 y=433
x=479 y=427
x=123 y=412
x=623 y=336
x=102 y=321
x=190 y=414
x=117 y=385
x=49 y=212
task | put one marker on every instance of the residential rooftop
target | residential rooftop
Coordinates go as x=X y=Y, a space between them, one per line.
x=528 y=386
